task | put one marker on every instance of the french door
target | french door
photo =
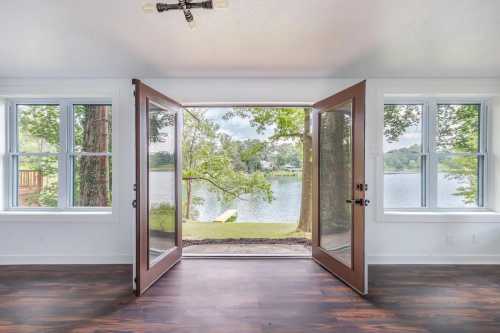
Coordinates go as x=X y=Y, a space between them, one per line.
x=339 y=185
x=158 y=185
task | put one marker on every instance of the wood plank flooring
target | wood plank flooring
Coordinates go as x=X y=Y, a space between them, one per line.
x=246 y=296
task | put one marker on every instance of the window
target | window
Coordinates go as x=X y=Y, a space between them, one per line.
x=60 y=155
x=434 y=155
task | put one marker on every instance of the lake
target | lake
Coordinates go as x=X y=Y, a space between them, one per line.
x=401 y=190
x=285 y=208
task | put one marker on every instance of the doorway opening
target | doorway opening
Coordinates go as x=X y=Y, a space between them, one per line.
x=246 y=187
x=335 y=164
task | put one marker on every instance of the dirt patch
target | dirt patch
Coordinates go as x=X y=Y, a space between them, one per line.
x=285 y=241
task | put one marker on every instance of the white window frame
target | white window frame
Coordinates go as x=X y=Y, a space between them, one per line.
x=429 y=167
x=65 y=155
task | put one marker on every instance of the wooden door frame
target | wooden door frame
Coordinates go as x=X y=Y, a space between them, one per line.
x=145 y=275
x=355 y=276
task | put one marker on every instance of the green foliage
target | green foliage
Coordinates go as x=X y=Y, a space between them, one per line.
x=162 y=161
x=458 y=128
x=38 y=128
x=398 y=118
x=162 y=217
x=208 y=156
x=286 y=122
x=403 y=159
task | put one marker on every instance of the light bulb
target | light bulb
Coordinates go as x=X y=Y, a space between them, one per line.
x=148 y=7
x=220 y=3
x=192 y=24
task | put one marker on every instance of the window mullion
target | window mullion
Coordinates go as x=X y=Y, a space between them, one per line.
x=432 y=173
x=63 y=156
x=13 y=160
x=482 y=156
x=70 y=166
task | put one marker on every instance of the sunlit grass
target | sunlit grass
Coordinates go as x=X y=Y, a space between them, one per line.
x=213 y=230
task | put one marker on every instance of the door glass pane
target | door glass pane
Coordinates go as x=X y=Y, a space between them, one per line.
x=457 y=181
x=403 y=155
x=335 y=178
x=161 y=183
x=37 y=181
x=38 y=128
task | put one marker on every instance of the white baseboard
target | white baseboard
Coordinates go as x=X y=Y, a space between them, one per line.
x=492 y=259
x=64 y=260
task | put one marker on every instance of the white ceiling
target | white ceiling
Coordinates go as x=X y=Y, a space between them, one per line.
x=252 y=38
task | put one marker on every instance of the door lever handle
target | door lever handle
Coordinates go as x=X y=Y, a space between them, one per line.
x=361 y=202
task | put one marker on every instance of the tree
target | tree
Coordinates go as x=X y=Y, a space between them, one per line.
x=93 y=134
x=206 y=159
x=290 y=124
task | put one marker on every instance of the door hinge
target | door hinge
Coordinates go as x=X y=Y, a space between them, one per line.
x=134 y=203
x=134 y=187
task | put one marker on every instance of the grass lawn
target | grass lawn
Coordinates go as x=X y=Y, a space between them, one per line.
x=162 y=219
x=212 y=230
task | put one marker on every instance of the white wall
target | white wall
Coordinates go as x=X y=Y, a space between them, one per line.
x=104 y=239
x=75 y=238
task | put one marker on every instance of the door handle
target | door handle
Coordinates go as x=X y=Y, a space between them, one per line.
x=361 y=202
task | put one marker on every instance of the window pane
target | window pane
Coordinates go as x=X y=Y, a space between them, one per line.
x=92 y=181
x=458 y=127
x=402 y=155
x=457 y=183
x=38 y=128
x=92 y=128
x=37 y=184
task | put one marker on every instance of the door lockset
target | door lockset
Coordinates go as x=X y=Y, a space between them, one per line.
x=362 y=187
x=361 y=202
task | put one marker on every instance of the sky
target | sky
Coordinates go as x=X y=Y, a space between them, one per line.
x=238 y=128
x=412 y=135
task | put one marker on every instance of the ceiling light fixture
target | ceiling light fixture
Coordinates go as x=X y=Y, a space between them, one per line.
x=185 y=6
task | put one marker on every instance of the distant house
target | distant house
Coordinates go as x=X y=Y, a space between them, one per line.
x=266 y=165
x=290 y=167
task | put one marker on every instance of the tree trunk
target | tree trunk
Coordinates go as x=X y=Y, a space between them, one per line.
x=189 y=200
x=94 y=170
x=305 y=220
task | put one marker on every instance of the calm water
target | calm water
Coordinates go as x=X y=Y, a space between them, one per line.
x=401 y=190
x=284 y=208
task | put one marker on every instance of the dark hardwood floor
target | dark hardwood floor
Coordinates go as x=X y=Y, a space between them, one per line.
x=240 y=296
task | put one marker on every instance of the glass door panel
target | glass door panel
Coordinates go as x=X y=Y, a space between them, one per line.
x=335 y=173
x=161 y=181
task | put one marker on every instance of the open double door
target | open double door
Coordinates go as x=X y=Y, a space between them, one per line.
x=338 y=185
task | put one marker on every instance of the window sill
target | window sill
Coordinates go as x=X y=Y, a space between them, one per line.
x=484 y=216
x=38 y=216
